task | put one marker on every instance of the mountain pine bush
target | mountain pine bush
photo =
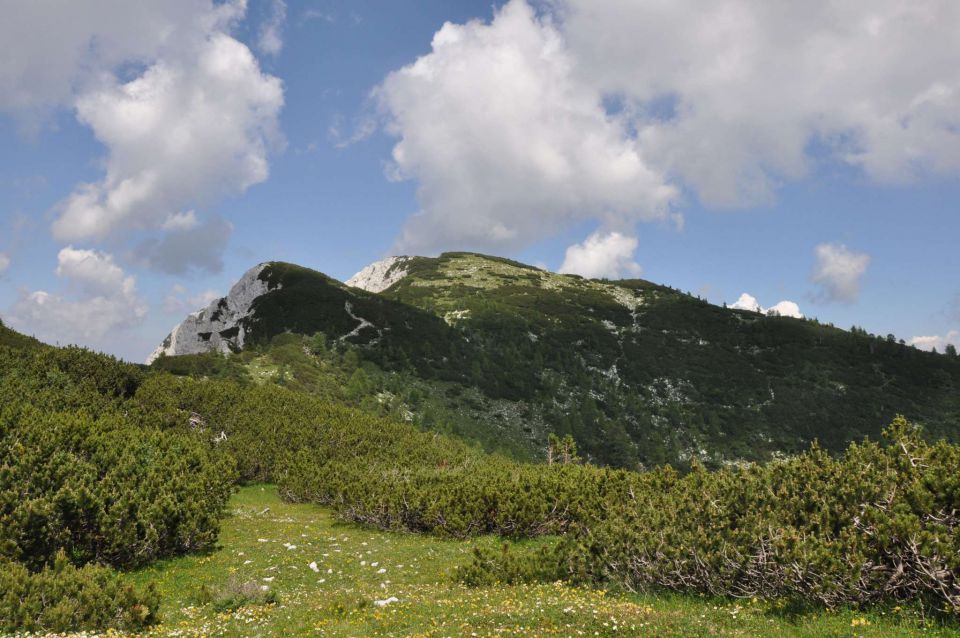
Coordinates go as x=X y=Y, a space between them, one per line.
x=68 y=598
x=879 y=523
x=87 y=483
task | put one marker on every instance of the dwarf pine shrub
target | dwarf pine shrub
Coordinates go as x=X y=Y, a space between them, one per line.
x=63 y=597
x=879 y=523
x=89 y=482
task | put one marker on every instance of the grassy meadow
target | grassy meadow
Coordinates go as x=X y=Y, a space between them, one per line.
x=327 y=578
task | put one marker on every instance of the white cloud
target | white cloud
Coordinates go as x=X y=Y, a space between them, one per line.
x=505 y=145
x=94 y=273
x=747 y=302
x=4 y=263
x=838 y=273
x=270 y=38
x=785 y=308
x=99 y=299
x=187 y=131
x=609 y=255
x=51 y=50
x=732 y=95
x=182 y=107
x=181 y=221
x=503 y=125
x=939 y=342
x=47 y=47
x=178 y=301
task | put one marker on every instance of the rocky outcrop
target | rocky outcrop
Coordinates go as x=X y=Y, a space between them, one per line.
x=220 y=327
x=380 y=275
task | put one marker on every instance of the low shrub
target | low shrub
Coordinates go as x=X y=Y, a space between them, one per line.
x=68 y=598
x=104 y=490
x=879 y=524
x=85 y=470
x=510 y=567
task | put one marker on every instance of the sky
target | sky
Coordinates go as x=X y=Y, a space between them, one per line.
x=797 y=157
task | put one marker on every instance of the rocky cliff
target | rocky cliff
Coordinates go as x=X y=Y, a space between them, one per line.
x=219 y=327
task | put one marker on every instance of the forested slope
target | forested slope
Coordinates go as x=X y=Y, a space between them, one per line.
x=639 y=374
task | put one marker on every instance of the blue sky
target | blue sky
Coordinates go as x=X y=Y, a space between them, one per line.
x=316 y=131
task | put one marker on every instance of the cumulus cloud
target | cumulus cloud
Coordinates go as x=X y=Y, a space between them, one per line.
x=602 y=109
x=186 y=132
x=504 y=143
x=49 y=50
x=838 y=272
x=181 y=221
x=184 y=111
x=732 y=96
x=179 y=301
x=785 y=308
x=747 y=302
x=603 y=255
x=940 y=342
x=270 y=38
x=98 y=299
x=4 y=263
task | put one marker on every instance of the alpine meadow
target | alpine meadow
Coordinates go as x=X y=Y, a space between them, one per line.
x=526 y=318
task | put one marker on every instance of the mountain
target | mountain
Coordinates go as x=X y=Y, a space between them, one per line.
x=637 y=373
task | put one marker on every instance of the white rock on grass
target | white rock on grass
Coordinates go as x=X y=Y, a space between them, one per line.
x=386 y=601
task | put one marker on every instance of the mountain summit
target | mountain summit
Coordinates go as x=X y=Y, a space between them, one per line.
x=636 y=372
x=380 y=275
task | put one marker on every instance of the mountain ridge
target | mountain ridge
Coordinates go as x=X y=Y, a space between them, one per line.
x=637 y=372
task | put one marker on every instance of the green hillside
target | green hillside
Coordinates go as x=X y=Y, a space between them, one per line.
x=639 y=374
x=14 y=339
x=115 y=513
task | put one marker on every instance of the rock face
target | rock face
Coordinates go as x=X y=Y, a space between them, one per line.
x=380 y=275
x=220 y=326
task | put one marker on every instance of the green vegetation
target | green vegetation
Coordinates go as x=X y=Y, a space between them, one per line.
x=339 y=373
x=641 y=374
x=64 y=598
x=106 y=466
x=266 y=538
x=877 y=524
x=87 y=484
x=504 y=355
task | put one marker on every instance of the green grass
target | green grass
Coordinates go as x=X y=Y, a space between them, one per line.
x=262 y=369
x=264 y=538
